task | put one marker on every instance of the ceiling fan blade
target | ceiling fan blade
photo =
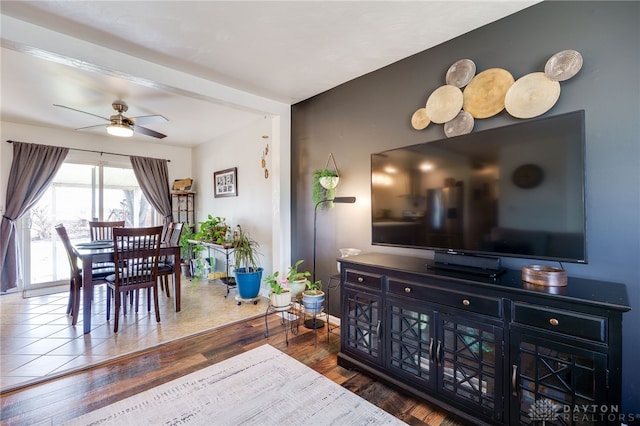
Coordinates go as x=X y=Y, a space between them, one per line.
x=148 y=119
x=84 y=112
x=90 y=127
x=148 y=132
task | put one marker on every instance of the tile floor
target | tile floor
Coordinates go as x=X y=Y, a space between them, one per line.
x=38 y=340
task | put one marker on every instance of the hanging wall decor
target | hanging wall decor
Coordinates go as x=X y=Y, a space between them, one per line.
x=484 y=95
x=532 y=95
x=468 y=96
x=225 y=183
x=460 y=73
x=263 y=162
x=444 y=103
x=420 y=119
x=563 y=65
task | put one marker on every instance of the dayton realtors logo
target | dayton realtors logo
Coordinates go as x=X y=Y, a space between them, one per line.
x=545 y=410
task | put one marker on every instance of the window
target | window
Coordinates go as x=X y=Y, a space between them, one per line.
x=80 y=192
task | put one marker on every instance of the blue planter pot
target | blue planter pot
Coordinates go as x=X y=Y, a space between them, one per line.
x=248 y=282
x=313 y=302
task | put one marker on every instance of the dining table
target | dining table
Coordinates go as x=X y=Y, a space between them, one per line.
x=100 y=251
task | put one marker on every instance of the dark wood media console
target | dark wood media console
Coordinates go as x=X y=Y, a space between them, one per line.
x=489 y=350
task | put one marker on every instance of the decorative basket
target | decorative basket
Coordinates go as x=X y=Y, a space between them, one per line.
x=544 y=275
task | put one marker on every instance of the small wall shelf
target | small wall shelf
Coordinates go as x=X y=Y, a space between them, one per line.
x=183 y=206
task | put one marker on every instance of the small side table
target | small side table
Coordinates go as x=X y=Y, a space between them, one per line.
x=289 y=320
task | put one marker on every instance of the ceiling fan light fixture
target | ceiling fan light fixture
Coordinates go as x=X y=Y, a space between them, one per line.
x=121 y=130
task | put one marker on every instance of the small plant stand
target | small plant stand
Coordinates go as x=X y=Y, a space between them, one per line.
x=289 y=319
x=334 y=283
x=313 y=322
x=227 y=250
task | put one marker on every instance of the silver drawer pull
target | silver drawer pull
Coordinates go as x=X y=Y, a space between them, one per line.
x=554 y=321
x=407 y=289
x=466 y=302
x=360 y=279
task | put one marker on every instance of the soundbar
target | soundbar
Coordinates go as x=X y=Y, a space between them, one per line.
x=471 y=264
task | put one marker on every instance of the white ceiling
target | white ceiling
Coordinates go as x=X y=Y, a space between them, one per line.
x=284 y=51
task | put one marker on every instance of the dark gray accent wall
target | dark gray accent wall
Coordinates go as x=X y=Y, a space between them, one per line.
x=372 y=113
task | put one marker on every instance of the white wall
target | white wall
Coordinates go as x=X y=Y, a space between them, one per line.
x=255 y=208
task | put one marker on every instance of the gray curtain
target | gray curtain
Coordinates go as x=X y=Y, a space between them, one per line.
x=153 y=178
x=32 y=170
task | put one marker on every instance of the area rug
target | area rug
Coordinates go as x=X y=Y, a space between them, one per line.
x=263 y=386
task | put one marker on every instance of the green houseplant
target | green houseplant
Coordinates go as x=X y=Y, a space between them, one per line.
x=284 y=288
x=319 y=192
x=296 y=279
x=325 y=182
x=280 y=296
x=213 y=230
x=185 y=248
x=247 y=271
x=197 y=263
x=313 y=297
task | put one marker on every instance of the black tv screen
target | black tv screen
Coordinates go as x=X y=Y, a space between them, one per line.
x=515 y=191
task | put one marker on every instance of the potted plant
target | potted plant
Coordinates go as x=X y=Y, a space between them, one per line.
x=297 y=280
x=319 y=191
x=313 y=297
x=248 y=273
x=198 y=265
x=213 y=230
x=185 y=249
x=280 y=296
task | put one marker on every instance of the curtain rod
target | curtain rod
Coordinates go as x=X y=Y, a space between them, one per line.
x=98 y=152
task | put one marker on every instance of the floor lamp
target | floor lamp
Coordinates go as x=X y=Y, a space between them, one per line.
x=315 y=323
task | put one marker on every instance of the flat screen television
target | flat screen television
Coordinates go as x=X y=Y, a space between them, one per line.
x=515 y=191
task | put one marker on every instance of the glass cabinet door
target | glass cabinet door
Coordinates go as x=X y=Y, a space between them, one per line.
x=411 y=342
x=555 y=383
x=469 y=355
x=363 y=322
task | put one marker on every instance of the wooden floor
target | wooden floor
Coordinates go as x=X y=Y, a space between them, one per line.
x=58 y=400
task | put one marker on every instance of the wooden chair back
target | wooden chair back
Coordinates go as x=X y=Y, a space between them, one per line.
x=73 y=259
x=172 y=236
x=103 y=230
x=75 y=279
x=139 y=250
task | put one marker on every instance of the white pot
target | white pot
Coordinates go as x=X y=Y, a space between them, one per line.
x=297 y=287
x=280 y=301
x=329 y=182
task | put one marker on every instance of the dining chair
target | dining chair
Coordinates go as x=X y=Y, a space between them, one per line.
x=75 y=280
x=171 y=237
x=99 y=230
x=138 y=251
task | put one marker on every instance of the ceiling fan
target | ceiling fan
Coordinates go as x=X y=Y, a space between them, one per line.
x=122 y=126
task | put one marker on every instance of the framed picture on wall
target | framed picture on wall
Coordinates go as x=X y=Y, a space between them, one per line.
x=225 y=183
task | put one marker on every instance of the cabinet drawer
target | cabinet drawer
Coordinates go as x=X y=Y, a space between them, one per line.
x=568 y=322
x=365 y=280
x=473 y=303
